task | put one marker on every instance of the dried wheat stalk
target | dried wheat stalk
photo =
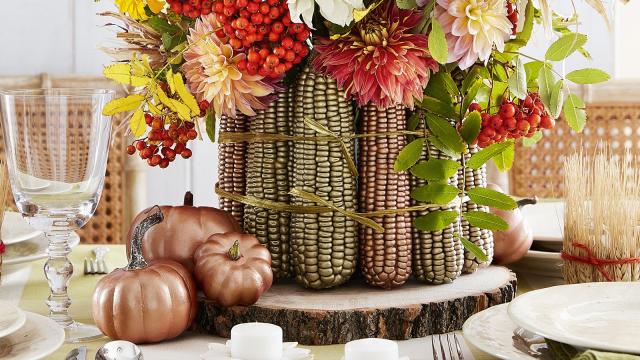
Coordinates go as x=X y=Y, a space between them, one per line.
x=602 y=211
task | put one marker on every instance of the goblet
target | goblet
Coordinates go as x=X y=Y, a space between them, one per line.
x=56 y=144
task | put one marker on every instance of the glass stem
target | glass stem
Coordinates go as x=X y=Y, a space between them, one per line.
x=58 y=270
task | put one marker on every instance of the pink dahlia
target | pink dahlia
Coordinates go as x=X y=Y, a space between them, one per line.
x=380 y=61
x=212 y=72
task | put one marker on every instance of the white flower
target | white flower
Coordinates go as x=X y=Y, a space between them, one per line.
x=473 y=28
x=339 y=12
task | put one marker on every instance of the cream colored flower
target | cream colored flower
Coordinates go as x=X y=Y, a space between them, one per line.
x=339 y=12
x=213 y=75
x=473 y=28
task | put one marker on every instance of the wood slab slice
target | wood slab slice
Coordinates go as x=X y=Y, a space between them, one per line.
x=356 y=310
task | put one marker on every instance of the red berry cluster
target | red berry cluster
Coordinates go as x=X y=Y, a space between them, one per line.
x=513 y=120
x=163 y=144
x=264 y=31
x=191 y=8
x=512 y=15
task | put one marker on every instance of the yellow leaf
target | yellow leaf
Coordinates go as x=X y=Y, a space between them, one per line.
x=359 y=14
x=155 y=110
x=137 y=124
x=185 y=94
x=124 y=74
x=176 y=106
x=156 y=5
x=128 y=103
x=169 y=77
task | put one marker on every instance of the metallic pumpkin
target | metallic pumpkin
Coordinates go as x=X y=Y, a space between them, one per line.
x=183 y=230
x=233 y=268
x=145 y=302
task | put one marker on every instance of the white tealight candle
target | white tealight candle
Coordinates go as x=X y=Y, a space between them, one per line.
x=371 y=349
x=256 y=341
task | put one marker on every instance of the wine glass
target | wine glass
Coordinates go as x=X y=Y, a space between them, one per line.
x=57 y=143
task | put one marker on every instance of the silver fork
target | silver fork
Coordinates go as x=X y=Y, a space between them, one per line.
x=448 y=351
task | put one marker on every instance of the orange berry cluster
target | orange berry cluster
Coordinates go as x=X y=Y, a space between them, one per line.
x=191 y=8
x=513 y=120
x=512 y=15
x=264 y=31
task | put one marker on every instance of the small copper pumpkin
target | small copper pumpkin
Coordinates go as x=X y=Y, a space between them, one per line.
x=233 y=268
x=184 y=228
x=145 y=302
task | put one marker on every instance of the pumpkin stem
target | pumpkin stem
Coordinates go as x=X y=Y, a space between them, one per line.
x=234 y=251
x=137 y=260
x=188 y=199
x=527 y=201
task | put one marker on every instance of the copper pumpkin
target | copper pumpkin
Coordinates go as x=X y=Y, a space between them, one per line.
x=233 y=268
x=145 y=302
x=183 y=230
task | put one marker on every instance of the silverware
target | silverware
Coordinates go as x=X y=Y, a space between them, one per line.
x=119 y=350
x=96 y=266
x=451 y=351
x=79 y=353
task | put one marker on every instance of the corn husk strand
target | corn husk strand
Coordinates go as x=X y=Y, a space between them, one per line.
x=324 y=246
x=601 y=213
x=438 y=256
x=268 y=177
x=232 y=166
x=385 y=257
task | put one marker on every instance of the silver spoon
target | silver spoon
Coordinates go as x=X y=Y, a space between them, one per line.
x=119 y=350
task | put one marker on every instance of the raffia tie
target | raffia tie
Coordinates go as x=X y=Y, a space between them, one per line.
x=594 y=261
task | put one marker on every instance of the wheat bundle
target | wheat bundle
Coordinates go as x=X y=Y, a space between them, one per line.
x=601 y=233
x=4 y=197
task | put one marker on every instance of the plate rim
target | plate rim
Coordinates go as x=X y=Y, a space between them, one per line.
x=59 y=330
x=73 y=242
x=17 y=325
x=489 y=350
x=26 y=237
x=570 y=340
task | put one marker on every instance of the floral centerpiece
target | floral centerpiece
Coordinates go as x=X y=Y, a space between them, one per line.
x=444 y=83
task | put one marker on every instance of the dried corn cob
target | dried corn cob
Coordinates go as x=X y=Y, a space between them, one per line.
x=268 y=178
x=232 y=166
x=385 y=256
x=437 y=255
x=324 y=246
x=481 y=237
x=472 y=178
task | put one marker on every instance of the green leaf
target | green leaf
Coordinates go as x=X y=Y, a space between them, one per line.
x=574 y=112
x=162 y=26
x=435 y=221
x=435 y=169
x=438 y=106
x=409 y=155
x=444 y=131
x=485 y=220
x=413 y=121
x=438 y=42
x=499 y=73
x=406 y=4
x=471 y=93
x=546 y=82
x=555 y=105
x=472 y=77
x=471 y=127
x=532 y=70
x=588 y=76
x=474 y=249
x=442 y=147
x=481 y=157
x=169 y=42
x=566 y=45
x=530 y=141
x=491 y=198
x=518 y=80
x=440 y=194
x=441 y=86
x=504 y=160
x=499 y=89
x=210 y=125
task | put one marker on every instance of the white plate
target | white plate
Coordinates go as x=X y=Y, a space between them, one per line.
x=38 y=338
x=603 y=316
x=546 y=219
x=491 y=331
x=11 y=318
x=15 y=229
x=31 y=250
x=539 y=263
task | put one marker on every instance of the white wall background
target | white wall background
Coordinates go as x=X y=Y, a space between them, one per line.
x=63 y=36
